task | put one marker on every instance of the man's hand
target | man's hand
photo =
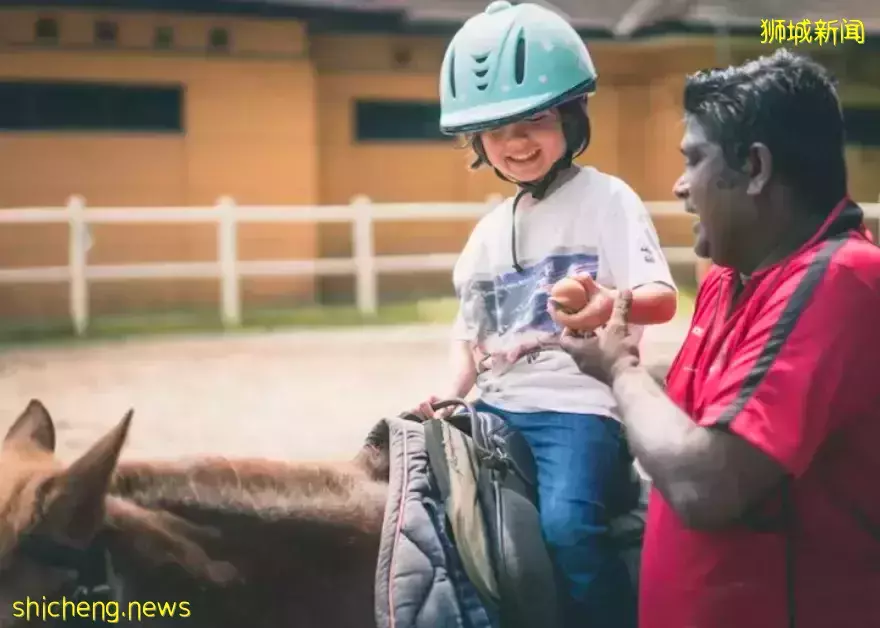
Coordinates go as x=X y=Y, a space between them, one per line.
x=600 y=302
x=611 y=350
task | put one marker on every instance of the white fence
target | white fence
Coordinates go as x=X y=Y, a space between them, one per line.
x=362 y=215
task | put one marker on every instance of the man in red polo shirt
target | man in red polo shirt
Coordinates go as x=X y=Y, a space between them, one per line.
x=764 y=450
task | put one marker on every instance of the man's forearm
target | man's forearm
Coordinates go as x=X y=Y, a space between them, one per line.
x=710 y=477
x=667 y=443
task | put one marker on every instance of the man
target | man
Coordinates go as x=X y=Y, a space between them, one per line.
x=701 y=268
x=763 y=451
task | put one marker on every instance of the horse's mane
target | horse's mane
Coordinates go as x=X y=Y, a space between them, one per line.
x=224 y=522
x=268 y=490
x=176 y=511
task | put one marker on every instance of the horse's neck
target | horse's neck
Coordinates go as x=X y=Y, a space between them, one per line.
x=178 y=533
x=144 y=544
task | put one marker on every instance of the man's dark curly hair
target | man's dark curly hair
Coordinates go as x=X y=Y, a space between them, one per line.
x=788 y=103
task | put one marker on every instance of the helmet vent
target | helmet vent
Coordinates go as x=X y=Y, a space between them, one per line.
x=452 y=75
x=519 y=62
x=481 y=71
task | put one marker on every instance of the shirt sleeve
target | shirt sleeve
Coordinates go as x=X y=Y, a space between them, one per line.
x=804 y=367
x=460 y=329
x=631 y=255
x=467 y=266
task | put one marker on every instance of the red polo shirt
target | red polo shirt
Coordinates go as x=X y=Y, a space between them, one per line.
x=795 y=371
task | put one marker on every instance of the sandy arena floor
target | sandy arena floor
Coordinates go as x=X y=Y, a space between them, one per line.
x=310 y=394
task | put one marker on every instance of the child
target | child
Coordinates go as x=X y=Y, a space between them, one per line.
x=514 y=82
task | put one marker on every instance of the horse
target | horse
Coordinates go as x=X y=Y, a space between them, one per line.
x=211 y=542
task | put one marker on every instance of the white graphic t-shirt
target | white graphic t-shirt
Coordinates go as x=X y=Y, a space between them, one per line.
x=590 y=222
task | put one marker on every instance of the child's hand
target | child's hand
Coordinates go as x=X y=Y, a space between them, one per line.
x=609 y=352
x=600 y=304
x=426 y=411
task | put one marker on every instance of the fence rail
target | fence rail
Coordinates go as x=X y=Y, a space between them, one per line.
x=361 y=214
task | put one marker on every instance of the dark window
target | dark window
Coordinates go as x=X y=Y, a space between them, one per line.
x=218 y=39
x=74 y=106
x=401 y=57
x=862 y=126
x=106 y=32
x=163 y=37
x=46 y=30
x=397 y=121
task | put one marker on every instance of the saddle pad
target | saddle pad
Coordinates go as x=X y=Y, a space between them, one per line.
x=420 y=581
x=486 y=474
x=460 y=482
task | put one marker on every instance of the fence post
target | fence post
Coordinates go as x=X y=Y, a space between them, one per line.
x=227 y=253
x=77 y=252
x=364 y=256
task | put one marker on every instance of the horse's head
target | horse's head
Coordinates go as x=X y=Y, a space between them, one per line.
x=49 y=515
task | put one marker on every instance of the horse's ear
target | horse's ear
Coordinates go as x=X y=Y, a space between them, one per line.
x=76 y=501
x=33 y=428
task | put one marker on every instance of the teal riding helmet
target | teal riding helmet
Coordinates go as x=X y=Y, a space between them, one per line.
x=508 y=63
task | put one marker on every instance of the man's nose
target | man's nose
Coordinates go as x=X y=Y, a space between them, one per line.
x=680 y=189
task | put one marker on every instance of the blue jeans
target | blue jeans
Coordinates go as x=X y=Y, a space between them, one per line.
x=583 y=472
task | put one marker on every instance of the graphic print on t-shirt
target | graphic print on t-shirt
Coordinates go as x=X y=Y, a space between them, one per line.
x=510 y=310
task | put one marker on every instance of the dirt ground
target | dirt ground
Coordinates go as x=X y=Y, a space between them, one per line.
x=306 y=394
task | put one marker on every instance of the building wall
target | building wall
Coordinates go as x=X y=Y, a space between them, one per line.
x=274 y=121
x=636 y=127
x=250 y=132
x=857 y=70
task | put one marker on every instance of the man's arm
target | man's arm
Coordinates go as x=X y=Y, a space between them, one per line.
x=708 y=476
x=787 y=385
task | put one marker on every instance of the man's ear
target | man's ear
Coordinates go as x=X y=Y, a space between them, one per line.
x=760 y=168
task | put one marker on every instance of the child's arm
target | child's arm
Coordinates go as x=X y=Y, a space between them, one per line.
x=652 y=303
x=631 y=256
x=464 y=376
x=464 y=371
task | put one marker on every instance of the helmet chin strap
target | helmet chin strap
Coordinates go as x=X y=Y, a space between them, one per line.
x=577 y=138
x=538 y=189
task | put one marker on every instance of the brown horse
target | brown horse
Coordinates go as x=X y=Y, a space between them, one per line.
x=213 y=542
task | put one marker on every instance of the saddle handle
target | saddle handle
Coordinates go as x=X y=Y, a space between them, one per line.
x=455 y=401
x=485 y=455
x=458 y=401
